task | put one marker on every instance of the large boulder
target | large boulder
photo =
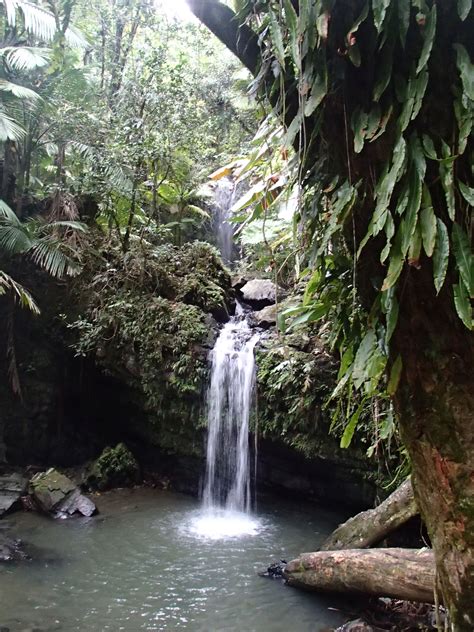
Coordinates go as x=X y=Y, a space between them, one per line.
x=12 y=487
x=266 y=317
x=115 y=467
x=56 y=494
x=260 y=292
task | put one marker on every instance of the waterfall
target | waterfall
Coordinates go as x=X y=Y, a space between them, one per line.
x=224 y=197
x=229 y=400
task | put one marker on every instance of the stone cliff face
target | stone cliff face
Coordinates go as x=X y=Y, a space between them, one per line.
x=121 y=355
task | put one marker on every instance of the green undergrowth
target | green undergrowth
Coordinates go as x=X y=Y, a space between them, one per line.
x=147 y=321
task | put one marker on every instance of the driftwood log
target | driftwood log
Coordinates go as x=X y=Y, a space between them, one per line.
x=398 y=573
x=371 y=526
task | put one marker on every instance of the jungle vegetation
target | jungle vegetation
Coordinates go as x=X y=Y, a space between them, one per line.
x=359 y=189
x=376 y=103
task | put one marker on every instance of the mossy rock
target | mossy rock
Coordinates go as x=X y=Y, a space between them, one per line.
x=115 y=467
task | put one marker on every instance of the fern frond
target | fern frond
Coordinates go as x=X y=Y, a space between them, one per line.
x=8 y=284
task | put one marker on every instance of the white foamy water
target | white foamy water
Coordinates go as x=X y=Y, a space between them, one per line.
x=230 y=394
x=221 y=524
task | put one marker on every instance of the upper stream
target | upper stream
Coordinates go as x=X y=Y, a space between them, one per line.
x=139 y=565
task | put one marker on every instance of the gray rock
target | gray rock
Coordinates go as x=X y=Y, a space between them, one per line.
x=259 y=292
x=358 y=625
x=56 y=494
x=12 y=488
x=265 y=317
x=75 y=502
x=11 y=550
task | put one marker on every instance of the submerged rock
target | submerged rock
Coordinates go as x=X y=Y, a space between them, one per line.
x=275 y=570
x=11 y=550
x=12 y=488
x=56 y=494
x=358 y=625
x=115 y=467
x=259 y=292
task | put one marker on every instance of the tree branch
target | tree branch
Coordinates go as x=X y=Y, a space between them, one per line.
x=222 y=21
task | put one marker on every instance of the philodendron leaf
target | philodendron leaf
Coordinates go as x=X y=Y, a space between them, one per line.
x=351 y=426
x=466 y=70
x=394 y=269
x=395 y=375
x=277 y=38
x=467 y=193
x=446 y=172
x=463 y=304
x=440 y=255
x=379 y=9
x=464 y=257
x=428 y=35
x=464 y=8
x=428 y=229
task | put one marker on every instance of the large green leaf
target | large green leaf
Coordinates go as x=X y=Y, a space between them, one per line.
x=277 y=38
x=428 y=39
x=404 y=8
x=464 y=8
x=466 y=70
x=467 y=193
x=379 y=10
x=349 y=430
x=446 y=172
x=463 y=304
x=428 y=229
x=464 y=257
x=440 y=255
x=395 y=374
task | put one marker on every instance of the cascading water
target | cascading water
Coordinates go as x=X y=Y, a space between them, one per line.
x=227 y=489
x=227 y=482
x=225 y=194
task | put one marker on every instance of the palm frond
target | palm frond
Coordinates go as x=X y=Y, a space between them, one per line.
x=8 y=284
x=18 y=91
x=8 y=213
x=50 y=227
x=14 y=239
x=40 y=22
x=86 y=151
x=9 y=128
x=48 y=254
x=22 y=58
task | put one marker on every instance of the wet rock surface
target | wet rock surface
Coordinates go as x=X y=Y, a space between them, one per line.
x=265 y=317
x=12 y=486
x=55 y=494
x=260 y=292
x=11 y=550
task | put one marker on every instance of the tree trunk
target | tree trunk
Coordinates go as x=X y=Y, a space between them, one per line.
x=397 y=573
x=435 y=403
x=371 y=526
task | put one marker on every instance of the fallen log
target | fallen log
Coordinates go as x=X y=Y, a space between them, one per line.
x=371 y=526
x=399 y=573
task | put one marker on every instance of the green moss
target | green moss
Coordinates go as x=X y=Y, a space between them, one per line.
x=116 y=467
x=146 y=322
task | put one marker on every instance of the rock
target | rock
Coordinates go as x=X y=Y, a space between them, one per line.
x=56 y=494
x=265 y=317
x=358 y=625
x=11 y=550
x=259 y=292
x=115 y=467
x=12 y=487
x=75 y=503
x=275 y=570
